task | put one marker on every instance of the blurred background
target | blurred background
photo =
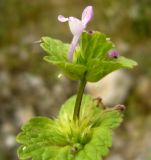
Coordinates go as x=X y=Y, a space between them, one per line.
x=30 y=87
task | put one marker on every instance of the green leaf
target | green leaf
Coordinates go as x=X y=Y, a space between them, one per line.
x=90 y=57
x=68 y=106
x=56 y=49
x=73 y=71
x=40 y=141
x=102 y=121
x=98 y=145
x=110 y=119
x=93 y=53
x=98 y=69
x=57 y=55
x=64 y=139
x=92 y=46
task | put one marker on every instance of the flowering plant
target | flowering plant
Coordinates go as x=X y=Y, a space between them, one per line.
x=83 y=128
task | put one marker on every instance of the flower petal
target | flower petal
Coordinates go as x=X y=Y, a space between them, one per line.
x=76 y=26
x=73 y=46
x=87 y=15
x=62 y=18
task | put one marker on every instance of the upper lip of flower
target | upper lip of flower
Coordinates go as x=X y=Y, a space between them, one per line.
x=77 y=26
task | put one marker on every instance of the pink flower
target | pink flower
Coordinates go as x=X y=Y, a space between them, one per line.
x=113 y=54
x=77 y=26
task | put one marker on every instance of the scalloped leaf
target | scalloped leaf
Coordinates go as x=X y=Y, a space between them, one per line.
x=90 y=57
x=56 y=49
x=63 y=139
x=110 y=117
x=99 y=69
x=57 y=55
x=40 y=141
x=98 y=146
x=93 y=46
x=73 y=71
x=68 y=106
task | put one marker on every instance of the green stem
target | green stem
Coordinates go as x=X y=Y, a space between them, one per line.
x=79 y=98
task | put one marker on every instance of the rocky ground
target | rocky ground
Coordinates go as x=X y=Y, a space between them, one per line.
x=30 y=87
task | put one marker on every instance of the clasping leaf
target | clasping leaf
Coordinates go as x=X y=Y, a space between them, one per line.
x=91 y=57
x=64 y=139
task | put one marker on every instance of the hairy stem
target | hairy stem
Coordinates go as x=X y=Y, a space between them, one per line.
x=79 y=98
